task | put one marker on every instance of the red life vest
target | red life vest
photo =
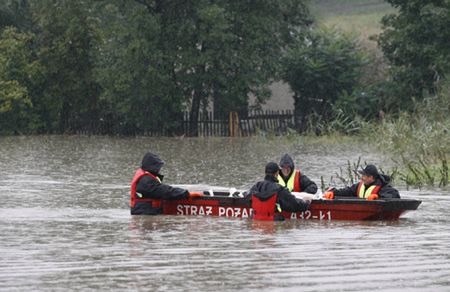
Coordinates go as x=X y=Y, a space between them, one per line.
x=264 y=210
x=297 y=187
x=364 y=193
x=133 y=200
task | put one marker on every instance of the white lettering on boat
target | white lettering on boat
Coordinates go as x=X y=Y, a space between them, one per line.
x=193 y=210
x=323 y=215
x=232 y=212
x=179 y=210
x=307 y=215
x=208 y=210
x=244 y=212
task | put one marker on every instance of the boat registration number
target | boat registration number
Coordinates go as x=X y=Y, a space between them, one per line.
x=244 y=212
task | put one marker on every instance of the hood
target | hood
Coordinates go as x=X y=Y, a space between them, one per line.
x=385 y=179
x=286 y=159
x=271 y=178
x=151 y=163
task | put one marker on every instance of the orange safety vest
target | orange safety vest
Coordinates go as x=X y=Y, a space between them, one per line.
x=293 y=184
x=363 y=193
x=137 y=176
x=264 y=210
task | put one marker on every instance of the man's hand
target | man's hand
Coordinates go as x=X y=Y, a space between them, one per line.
x=328 y=195
x=372 y=197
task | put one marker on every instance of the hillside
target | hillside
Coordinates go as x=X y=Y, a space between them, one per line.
x=358 y=16
x=361 y=17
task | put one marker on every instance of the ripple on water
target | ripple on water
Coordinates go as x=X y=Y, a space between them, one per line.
x=65 y=224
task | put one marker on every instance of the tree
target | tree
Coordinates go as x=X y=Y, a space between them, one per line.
x=239 y=45
x=15 y=13
x=319 y=68
x=19 y=71
x=66 y=39
x=195 y=52
x=136 y=73
x=139 y=64
x=415 y=40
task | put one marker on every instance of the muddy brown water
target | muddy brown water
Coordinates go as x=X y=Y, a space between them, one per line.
x=65 y=223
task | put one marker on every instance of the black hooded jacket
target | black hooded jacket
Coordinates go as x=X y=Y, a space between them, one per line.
x=150 y=188
x=306 y=184
x=386 y=191
x=269 y=186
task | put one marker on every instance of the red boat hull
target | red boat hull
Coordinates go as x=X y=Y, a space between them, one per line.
x=341 y=209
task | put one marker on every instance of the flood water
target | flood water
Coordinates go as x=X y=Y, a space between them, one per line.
x=65 y=223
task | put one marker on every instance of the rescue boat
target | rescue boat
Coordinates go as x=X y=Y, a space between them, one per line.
x=223 y=205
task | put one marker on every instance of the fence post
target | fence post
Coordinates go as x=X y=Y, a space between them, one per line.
x=233 y=124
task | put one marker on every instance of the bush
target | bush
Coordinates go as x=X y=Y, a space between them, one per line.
x=415 y=41
x=321 y=66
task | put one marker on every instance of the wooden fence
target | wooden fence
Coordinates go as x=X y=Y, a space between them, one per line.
x=224 y=125
x=233 y=125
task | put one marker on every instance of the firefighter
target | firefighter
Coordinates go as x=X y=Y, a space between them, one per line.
x=269 y=198
x=372 y=186
x=293 y=179
x=147 y=189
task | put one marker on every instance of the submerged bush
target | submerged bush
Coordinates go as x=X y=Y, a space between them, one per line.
x=420 y=173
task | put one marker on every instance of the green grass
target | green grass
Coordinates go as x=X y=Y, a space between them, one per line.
x=361 y=17
x=325 y=8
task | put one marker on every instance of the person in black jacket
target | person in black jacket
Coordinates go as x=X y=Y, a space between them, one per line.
x=372 y=186
x=293 y=179
x=147 y=189
x=269 y=186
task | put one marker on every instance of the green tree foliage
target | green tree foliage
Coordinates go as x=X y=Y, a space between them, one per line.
x=18 y=74
x=319 y=68
x=138 y=64
x=16 y=13
x=416 y=42
x=194 y=52
x=65 y=48
x=140 y=91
